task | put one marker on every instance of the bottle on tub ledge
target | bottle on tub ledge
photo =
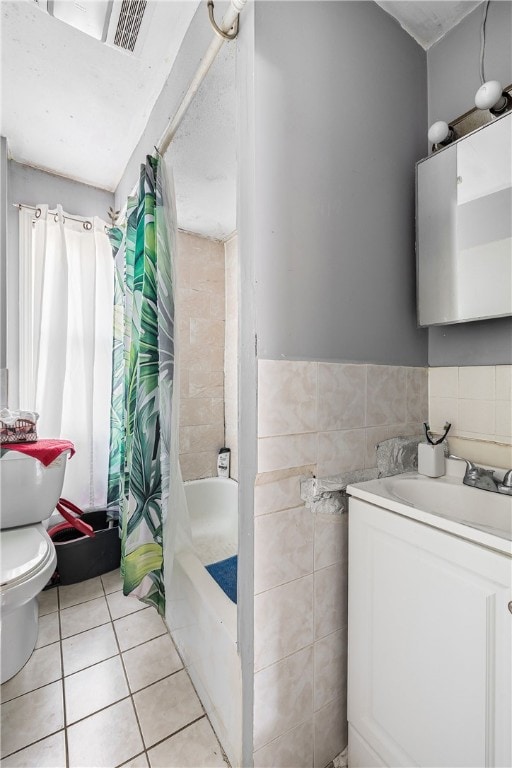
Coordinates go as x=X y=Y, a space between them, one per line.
x=223 y=462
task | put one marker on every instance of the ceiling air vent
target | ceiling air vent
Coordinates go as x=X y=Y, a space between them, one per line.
x=128 y=25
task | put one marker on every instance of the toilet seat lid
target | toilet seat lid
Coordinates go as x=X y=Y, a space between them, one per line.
x=23 y=551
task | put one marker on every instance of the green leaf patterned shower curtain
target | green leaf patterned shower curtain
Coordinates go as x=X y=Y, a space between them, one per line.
x=142 y=382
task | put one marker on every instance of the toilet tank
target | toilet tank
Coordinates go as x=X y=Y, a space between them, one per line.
x=29 y=491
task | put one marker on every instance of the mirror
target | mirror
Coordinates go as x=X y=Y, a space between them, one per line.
x=464 y=228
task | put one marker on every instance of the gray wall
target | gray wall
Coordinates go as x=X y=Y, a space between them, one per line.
x=31 y=186
x=453 y=79
x=341 y=99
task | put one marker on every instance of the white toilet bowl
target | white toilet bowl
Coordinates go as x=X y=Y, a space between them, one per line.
x=29 y=492
x=27 y=561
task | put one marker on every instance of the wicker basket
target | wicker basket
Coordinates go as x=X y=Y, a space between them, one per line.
x=21 y=431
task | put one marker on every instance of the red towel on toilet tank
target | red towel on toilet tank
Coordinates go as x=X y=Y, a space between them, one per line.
x=45 y=451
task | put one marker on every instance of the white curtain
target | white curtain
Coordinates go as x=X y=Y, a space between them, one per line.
x=66 y=305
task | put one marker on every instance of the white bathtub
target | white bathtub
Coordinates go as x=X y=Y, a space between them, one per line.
x=201 y=617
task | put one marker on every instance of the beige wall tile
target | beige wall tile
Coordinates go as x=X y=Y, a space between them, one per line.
x=194 y=303
x=283 y=547
x=293 y=749
x=503 y=382
x=207 y=332
x=443 y=382
x=198 y=411
x=341 y=396
x=283 y=696
x=200 y=312
x=331 y=540
x=205 y=384
x=375 y=435
x=277 y=495
x=477 y=382
x=287 y=451
x=231 y=351
x=195 y=466
x=330 y=668
x=341 y=451
x=330 y=732
x=287 y=397
x=202 y=438
x=443 y=409
x=283 y=620
x=504 y=421
x=477 y=416
x=386 y=395
x=417 y=394
x=330 y=599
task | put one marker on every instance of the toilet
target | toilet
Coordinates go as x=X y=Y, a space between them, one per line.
x=29 y=492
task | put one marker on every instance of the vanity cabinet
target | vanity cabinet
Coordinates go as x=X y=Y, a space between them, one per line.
x=430 y=646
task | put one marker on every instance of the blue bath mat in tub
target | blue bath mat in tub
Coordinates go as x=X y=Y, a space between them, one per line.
x=224 y=573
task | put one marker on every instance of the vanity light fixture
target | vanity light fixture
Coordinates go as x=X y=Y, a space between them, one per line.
x=490 y=95
x=441 y=134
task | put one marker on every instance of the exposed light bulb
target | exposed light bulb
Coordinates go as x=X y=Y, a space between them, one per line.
x=490 y=96
x=440 y=133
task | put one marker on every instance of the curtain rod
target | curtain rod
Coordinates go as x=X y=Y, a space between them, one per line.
x=229 y=21
x=83 y=220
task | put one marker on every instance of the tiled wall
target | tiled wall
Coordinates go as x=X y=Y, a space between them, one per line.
x=200 y=309
x=477 y=400
x=231 y=354
x=320 y=418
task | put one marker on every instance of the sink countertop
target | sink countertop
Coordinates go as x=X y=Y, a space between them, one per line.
x=445 y=503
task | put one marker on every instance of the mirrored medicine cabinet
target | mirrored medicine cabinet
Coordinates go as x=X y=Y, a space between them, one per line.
x=464 y=228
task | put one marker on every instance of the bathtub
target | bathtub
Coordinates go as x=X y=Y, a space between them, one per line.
x=201 y=618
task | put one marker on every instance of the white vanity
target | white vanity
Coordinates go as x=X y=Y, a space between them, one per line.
x=430 y=624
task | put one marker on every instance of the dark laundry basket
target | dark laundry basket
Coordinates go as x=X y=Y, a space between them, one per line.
x=81 y=557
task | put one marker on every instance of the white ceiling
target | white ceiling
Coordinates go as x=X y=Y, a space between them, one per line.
x=73 y=105
x=428 y=22
x=77 y=107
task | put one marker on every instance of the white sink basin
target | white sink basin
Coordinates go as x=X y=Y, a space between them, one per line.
x=448 y=497
x=480 y=516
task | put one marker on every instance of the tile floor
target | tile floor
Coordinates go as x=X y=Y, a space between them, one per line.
x=105 y=687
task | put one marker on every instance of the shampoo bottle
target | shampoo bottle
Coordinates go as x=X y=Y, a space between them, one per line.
x=223 y=462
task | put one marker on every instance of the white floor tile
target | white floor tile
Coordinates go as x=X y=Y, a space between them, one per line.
x=48 y=753
x=194 y=747
x=110 y=737
x=31 y=717
x=87 y=648
x=48 y=631
x=48 y=601
x=167 y=706
x=122 y=606
x=43 y=667
x=112 y=581
x=74 y=594
x=140 y=761
x=150 y=662
x=84 y=616
x=104 y=683
x=138 y=627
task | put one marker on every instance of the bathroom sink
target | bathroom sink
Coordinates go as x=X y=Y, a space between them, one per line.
x=445 y=502
x=448 y=497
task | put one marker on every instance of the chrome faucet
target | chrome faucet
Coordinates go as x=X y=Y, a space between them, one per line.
x=478 y=477
x=506 y=484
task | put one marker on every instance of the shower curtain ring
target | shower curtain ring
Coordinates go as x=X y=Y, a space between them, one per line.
x=217 y=29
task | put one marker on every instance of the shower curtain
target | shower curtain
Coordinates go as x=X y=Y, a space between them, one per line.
x=66 y=289
x=142 y=381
